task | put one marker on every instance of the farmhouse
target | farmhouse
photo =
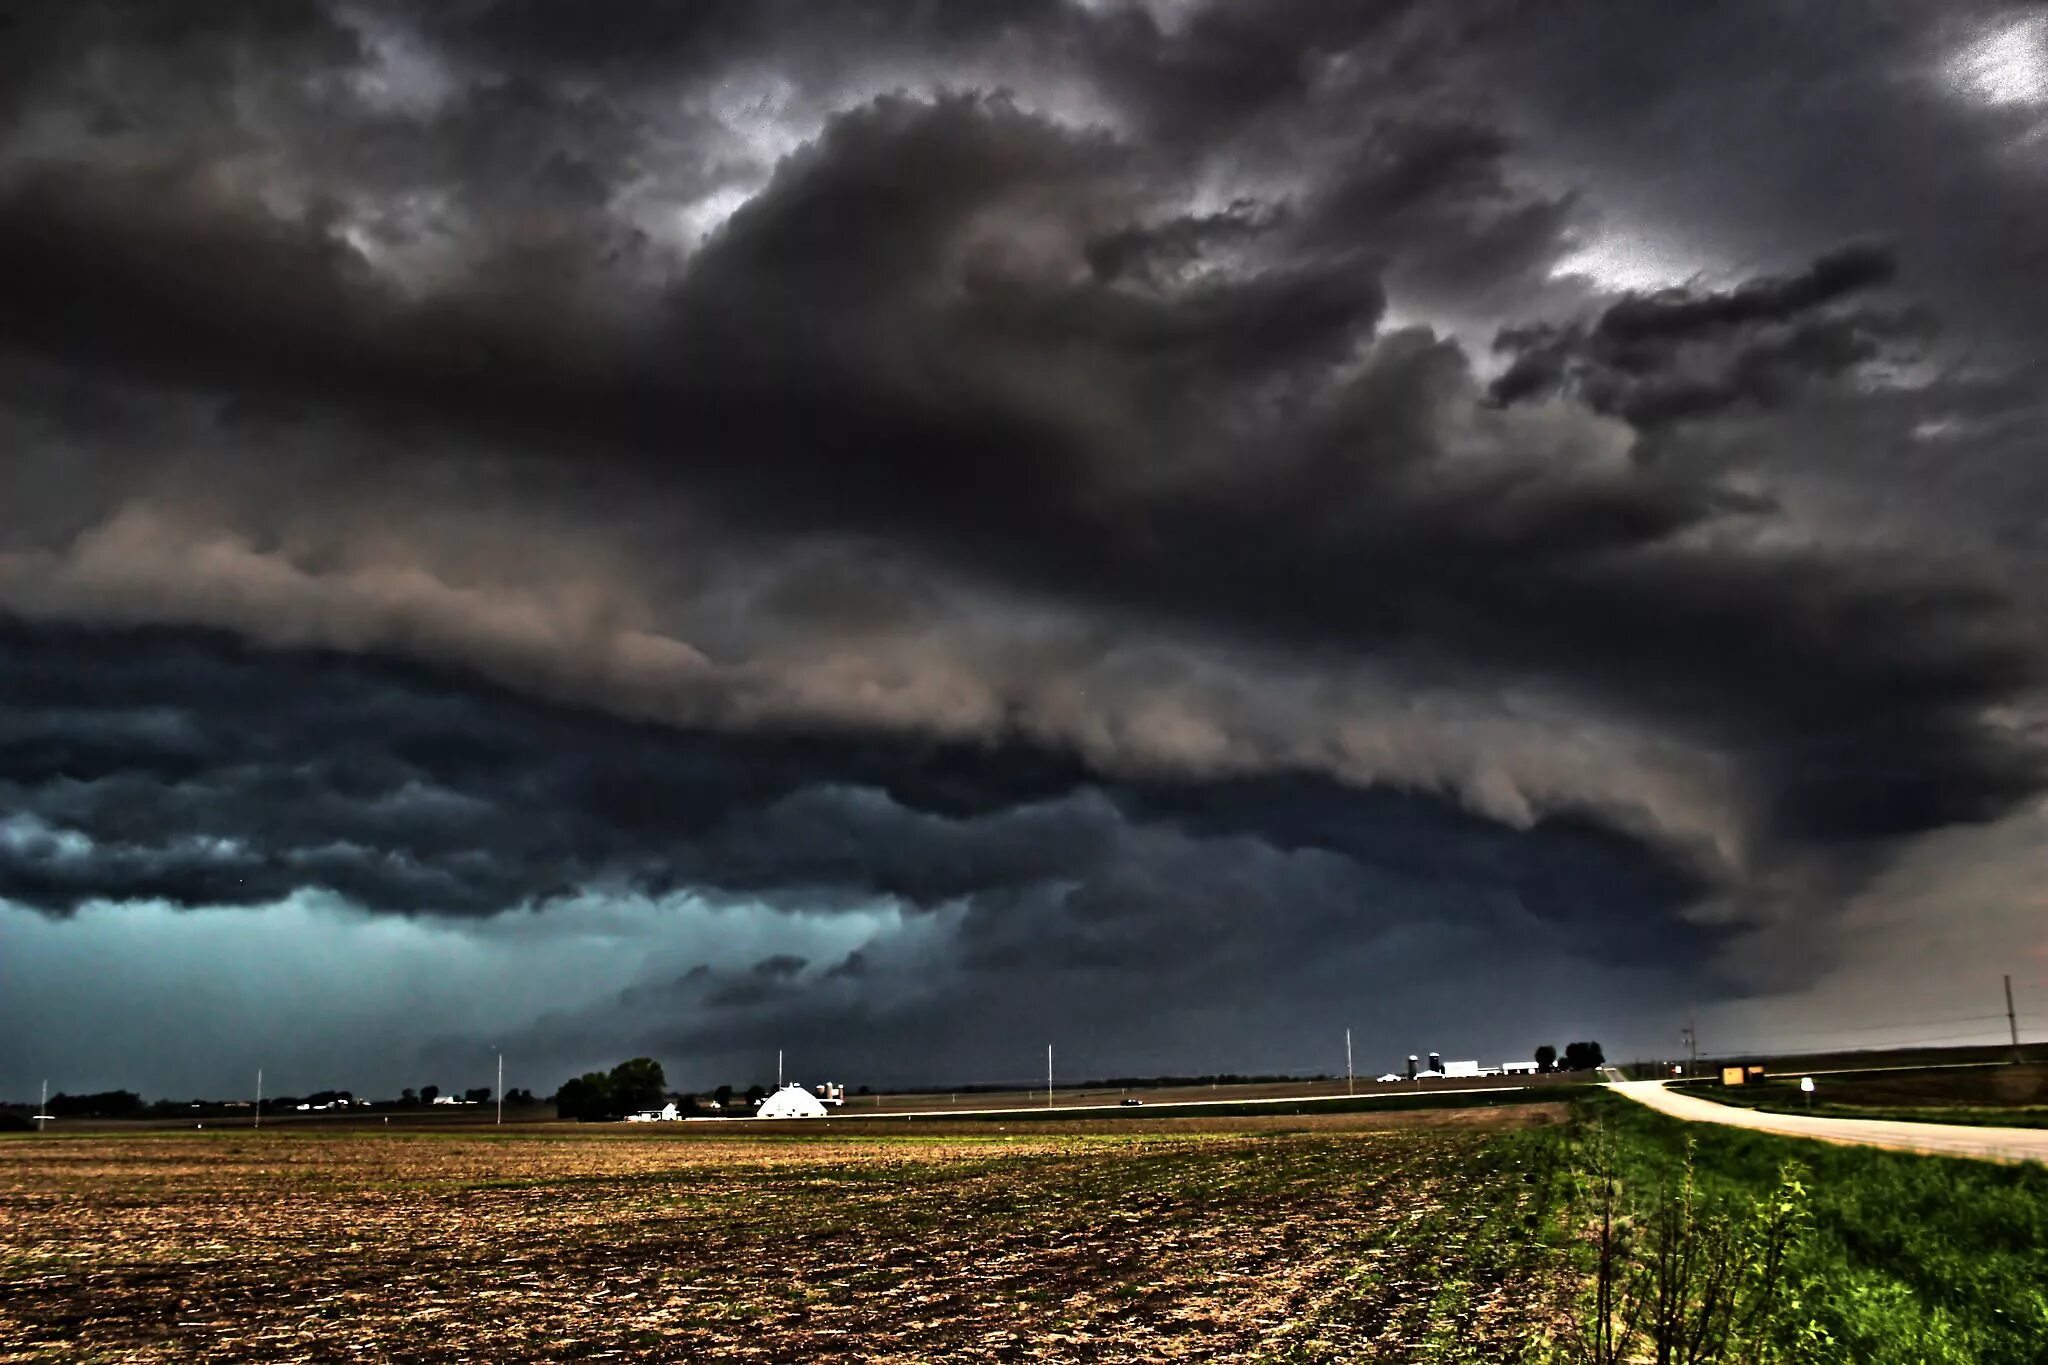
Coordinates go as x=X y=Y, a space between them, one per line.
x=668 y=1113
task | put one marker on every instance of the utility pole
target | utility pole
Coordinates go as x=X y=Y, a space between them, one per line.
x=501 y=1086
x=778 y=1068
x=2012 y=1021
x=43 y=1108
x=259 y=1097
x=1048 y=1075
x=1347 y=1063
x=1691 y=1035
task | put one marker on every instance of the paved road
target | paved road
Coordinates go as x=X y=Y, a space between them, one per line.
x=1934 y=1139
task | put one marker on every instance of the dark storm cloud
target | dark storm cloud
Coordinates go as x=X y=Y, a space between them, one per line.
x=186 y=769
x=1129 y=325
x=853 y=352
x=1435 y=200
x=1679 y=353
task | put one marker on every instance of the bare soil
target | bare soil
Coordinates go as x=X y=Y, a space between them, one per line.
x=1357 y=1237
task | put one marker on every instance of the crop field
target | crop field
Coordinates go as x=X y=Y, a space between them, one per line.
x=1357 y=1237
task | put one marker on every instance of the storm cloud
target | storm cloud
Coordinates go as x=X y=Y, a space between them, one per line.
x=1165 y=493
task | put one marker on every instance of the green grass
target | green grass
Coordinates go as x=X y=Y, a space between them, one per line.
x=1906 y=1260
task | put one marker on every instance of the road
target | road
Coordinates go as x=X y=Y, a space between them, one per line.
x=1932 y=1139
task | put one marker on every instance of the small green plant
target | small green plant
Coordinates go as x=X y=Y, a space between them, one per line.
x=1683 y=1278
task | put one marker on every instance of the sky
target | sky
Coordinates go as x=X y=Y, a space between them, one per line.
x=906 y=532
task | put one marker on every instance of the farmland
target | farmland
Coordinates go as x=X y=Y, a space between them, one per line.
x=1423 y=1235
x=1400 y=1237
x=2014 y=1096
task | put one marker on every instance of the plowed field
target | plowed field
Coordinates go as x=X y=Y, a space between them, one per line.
x=1388 y=1239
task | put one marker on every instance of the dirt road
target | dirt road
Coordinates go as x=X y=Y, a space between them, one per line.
x=1935 y=1139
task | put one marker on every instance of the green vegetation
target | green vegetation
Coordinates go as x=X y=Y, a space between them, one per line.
x=1882 y=1257
x=625 y=1089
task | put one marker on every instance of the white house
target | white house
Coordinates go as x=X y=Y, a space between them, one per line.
x=1518 y=1068
x=1466 y=1069
x=666 y=1114
x=791 y=1102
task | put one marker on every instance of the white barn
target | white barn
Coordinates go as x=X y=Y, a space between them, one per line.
x=791 y=1102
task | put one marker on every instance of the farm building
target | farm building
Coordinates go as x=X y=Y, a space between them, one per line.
x=668 y=1113
x=791 y=1102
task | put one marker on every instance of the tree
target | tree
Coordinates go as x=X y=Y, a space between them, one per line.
x=428 y=1093
x=638 y=1084
x=409 y=1096
x=724 y=1096
x=104 y=1104
x=1546 y=1058
x=1583 y=1057
x=477 y=1095
x=587 y=1098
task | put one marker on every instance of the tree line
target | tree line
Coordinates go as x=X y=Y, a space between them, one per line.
x=1577 y=1057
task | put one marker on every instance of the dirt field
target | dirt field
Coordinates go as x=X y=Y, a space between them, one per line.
x=2010 y=1095
x=1338 y=1237
x=2026 y=1084
x=1364 y=1087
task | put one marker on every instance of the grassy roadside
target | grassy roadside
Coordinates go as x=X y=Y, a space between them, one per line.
x=1899 y=1259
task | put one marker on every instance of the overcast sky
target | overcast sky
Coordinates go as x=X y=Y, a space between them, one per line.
x=908 y=531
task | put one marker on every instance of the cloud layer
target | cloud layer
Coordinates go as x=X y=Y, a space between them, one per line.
x=1140 y=493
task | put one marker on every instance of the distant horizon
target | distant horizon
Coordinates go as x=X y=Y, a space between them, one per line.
x=1362 y=1074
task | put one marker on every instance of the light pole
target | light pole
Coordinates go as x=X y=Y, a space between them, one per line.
x=1347 y=1063
x=501 y=1085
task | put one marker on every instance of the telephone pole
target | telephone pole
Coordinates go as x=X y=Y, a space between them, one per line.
x=2012 y=1021
x=43 y=1108
x=778 y=1068
x=1347 y=1063
x=1048 y=1075
x=501 y=1086
x=259 y=1097
x=1691 y=1034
